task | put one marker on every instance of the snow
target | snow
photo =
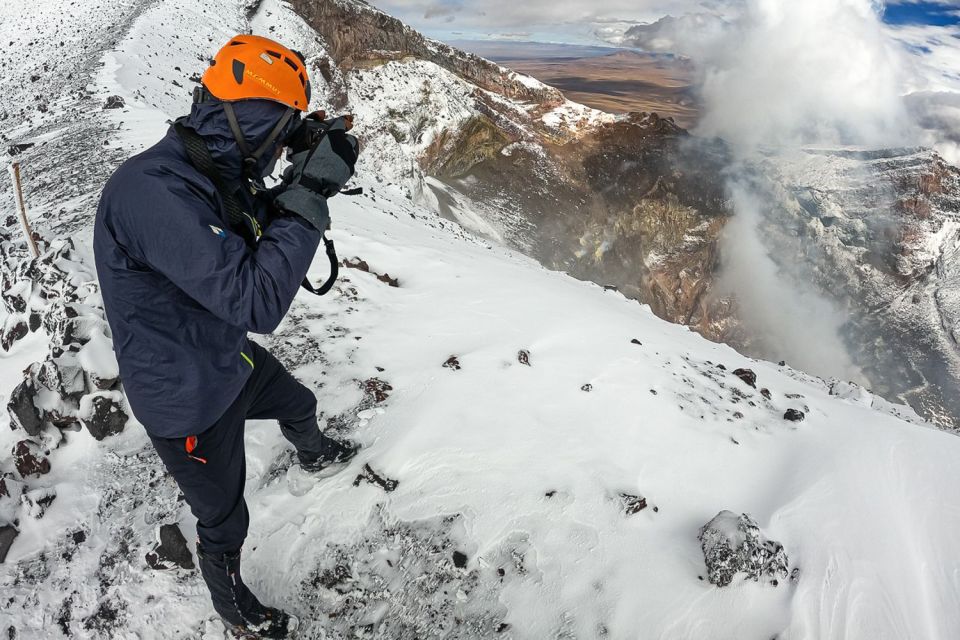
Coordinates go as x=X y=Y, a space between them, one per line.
x=515 y=466
x=97 y=357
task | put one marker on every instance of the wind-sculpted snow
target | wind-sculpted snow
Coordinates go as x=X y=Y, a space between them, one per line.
x=551 y=484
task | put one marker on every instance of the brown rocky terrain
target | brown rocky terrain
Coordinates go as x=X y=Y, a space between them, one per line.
x=621 y=82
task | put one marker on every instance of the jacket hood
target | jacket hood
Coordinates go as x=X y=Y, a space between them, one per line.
x=256 y=118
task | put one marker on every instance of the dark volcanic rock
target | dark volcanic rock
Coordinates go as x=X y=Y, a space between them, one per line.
x=452 y=363
x=733 y=544
x=23 y=412
x=794 y=415
x=172 y=551
x=7 y=535
x=631 y=504
x=29 y=460
x=362 y=265
x=377 y=389
x=747 y=376
x=371 y=476
x=106 y=418
x=523 y=357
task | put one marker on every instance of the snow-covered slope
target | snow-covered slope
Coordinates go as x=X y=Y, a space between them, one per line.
x=519 y=465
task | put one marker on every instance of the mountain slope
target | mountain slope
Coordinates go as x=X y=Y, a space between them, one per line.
x=517 y=511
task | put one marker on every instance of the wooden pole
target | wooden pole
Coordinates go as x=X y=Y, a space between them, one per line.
x=22 y=207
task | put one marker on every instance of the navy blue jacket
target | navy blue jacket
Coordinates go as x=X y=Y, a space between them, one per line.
x=180 y=288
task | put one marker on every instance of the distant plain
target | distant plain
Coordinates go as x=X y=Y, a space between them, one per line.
x=612 y=80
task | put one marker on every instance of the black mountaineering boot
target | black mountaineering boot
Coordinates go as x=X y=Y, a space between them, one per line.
x=243 y=615
x=333 y=453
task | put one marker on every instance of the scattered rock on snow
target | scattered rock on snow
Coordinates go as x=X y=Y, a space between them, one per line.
x=102 y=414
x=631 y=504
x=635 y=341
x=734 y=544
x=523 y=357
x=114 y=102
x=7 y=535
x=747 y=376
x=171 y=551
x=459 y=559
x=371 y=476
x=766 y=393
x=362 y=265
x=794 y=415
x=29 y=460
x=452 y=363
x=377 y=389
x=587 y=387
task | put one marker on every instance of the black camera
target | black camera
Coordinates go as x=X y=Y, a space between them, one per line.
x=312 y=129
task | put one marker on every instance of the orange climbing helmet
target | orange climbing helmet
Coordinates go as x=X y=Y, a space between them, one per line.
x=254 y=67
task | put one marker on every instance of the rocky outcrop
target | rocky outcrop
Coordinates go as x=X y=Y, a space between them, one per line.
x=455 y=151
x=356 y=34
x=734 y=545
x=80 y=368
x=880 y=231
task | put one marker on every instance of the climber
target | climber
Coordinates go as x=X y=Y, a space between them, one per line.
x=193 y=252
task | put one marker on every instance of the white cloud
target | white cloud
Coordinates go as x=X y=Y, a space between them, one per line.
x=783 y=73
x=508 y=15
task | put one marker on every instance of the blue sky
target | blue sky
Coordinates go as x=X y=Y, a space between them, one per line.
x=922 y=13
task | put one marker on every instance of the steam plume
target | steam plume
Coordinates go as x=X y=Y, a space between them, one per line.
x=779 y=75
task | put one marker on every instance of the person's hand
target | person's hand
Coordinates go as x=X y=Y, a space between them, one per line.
x=319 y=173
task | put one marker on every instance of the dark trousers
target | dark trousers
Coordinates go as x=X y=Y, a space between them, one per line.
x=212 y=475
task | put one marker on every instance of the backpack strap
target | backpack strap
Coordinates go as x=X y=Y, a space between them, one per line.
x=203 y=162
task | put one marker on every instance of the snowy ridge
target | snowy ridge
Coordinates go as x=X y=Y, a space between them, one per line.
x=509 y=518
